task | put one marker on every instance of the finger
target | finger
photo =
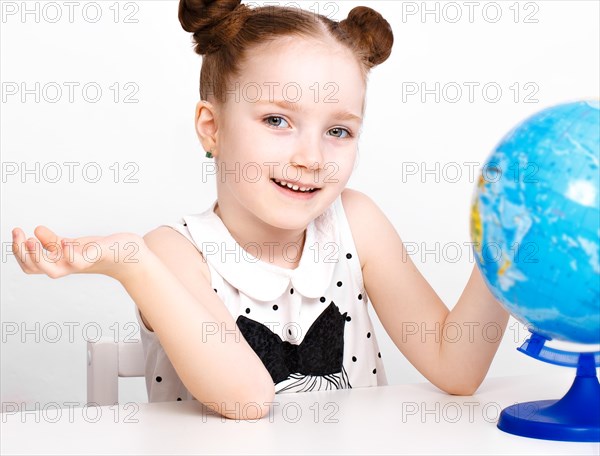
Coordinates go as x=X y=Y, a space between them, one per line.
x=43 y=264
x=16 y=235
x=23 y=244
x=18 y=244
x=31 y=256
x=48 y=238
x=32 y=249
x=15 y=240
x=20 y=250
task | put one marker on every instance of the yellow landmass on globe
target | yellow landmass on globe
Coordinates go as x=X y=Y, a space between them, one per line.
x=504 y=267
x=476 y=226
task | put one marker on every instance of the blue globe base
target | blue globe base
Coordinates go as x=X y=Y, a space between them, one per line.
x=575 y=417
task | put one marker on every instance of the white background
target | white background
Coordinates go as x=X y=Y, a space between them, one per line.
x=552 y=46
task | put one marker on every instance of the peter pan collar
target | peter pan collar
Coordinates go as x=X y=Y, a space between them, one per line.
x=259 y=279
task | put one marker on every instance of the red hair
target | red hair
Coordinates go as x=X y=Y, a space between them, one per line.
x=225 y=30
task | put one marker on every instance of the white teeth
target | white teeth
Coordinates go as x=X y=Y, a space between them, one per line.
x=294 y=187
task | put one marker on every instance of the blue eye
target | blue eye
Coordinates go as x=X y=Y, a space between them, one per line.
x=275 y=124
x=341 y=130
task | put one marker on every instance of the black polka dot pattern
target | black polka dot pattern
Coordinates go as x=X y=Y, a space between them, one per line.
x=361 y=356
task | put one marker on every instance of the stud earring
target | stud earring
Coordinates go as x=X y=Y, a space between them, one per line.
x=209 y=154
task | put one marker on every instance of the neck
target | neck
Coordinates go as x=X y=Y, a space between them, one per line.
x=270 y=244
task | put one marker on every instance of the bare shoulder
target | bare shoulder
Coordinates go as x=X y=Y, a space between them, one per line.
x=179 y=255
x=362 y=214
x=177 y=252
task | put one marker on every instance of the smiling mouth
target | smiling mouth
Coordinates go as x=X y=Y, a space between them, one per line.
x=287 y=187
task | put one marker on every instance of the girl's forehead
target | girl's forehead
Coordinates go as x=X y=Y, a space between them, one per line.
x=316 y=67
x=286 y=53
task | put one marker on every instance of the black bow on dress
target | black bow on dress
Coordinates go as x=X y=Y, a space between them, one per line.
x=320 y=353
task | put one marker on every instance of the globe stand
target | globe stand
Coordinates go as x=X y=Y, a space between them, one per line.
x=575 y=417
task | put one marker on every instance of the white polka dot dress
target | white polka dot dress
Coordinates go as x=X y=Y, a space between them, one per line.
x=309 y=325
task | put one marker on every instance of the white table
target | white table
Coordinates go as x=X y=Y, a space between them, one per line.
x=398 y=419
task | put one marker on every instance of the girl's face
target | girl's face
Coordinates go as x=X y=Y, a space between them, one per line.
x=294 y=115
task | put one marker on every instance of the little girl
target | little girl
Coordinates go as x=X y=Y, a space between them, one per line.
x=266 y=291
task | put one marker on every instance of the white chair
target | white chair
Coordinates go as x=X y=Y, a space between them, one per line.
x=107 y=360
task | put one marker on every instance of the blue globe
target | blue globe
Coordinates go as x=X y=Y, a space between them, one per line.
x=535 y=222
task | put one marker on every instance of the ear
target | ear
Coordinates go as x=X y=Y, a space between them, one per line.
x=206 y=124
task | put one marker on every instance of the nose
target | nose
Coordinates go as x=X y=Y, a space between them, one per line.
x=308 y=153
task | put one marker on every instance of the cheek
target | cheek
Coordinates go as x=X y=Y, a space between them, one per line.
x=341 y=165
x=248 y=141
x=233 y=138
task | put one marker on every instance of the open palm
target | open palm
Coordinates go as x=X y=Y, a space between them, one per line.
x=56 y=256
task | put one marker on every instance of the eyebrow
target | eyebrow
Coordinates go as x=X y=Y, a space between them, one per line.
x=295 y=107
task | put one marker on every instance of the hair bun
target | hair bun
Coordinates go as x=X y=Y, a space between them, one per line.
x=370 y=32
x=213 y=22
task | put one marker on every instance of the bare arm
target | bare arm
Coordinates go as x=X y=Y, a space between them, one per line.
x=482 y=322
x=412 y=313
x=217 y=368
x=169 y=282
